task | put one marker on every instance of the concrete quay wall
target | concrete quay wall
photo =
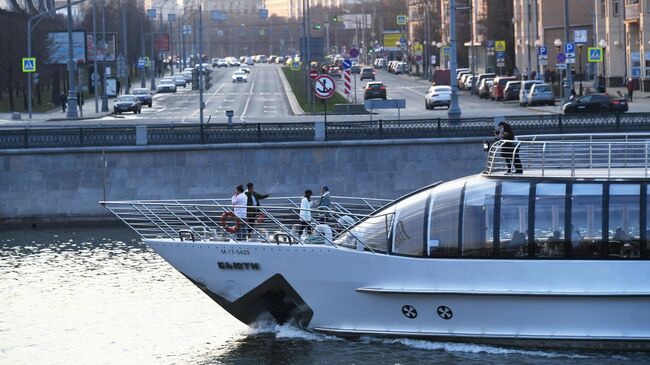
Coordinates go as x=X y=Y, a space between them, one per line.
x=52 y=185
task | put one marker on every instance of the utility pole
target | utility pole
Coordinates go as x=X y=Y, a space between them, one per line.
x=528 y=38
x=454 y=110
x=125 y=76
x=95 y=75
x=170 y=18
x=152 y=57
x=308 y=67
x=568 y=82
x=72 y=93
x=143 y=82
x=103 y=64
x=201 y=69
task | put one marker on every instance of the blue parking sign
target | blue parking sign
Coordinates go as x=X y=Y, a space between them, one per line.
x=542 y=51
x=501 y=55
x=569 y=48
x=490 y=44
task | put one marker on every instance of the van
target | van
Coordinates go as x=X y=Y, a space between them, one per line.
x=525 y=89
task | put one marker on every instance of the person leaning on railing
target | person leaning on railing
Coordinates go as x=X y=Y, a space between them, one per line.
x=509 y=152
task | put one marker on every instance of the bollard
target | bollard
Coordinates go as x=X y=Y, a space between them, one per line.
x=229 y=114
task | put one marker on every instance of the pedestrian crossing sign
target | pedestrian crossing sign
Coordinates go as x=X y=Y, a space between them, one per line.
x=29 y=64
x=595 y=54
x=295 y=66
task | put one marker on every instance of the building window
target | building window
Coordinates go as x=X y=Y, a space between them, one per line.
x=624 y=221
x=549 y=220
x=586 y=220
x=603 y=7
x=615 y=8
x=513 y=220
x=478 y=218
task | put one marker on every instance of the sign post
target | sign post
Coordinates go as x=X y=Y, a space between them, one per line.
x=324 y=88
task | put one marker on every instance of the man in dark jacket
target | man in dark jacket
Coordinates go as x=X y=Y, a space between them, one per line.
x=253 y=201
x=509 y=150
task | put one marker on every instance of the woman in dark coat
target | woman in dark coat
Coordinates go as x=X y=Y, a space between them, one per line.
x=508 y=151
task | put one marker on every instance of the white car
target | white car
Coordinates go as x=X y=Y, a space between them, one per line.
x=245 y=69
x=232 y=61
x=239 y=76
x=166 y=85
x=222 y=62
x=187 y=75
x=438 y=96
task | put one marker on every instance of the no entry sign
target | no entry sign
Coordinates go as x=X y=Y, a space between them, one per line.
x=313 y=74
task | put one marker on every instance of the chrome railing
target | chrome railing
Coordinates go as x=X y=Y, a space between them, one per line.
x=277 y=221
x=625 y=157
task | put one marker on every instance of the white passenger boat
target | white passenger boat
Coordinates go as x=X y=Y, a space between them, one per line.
x=555 y=256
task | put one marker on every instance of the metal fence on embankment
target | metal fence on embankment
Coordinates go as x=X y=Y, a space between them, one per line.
x=174 y=134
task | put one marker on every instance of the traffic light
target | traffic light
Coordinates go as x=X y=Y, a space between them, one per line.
x=316 y=26
x=336 y=18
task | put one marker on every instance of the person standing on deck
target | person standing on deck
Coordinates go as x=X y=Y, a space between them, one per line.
x=239 y=208
x=252 y=202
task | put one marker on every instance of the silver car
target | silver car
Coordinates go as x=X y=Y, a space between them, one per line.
x=541 y=94
x=525 y=89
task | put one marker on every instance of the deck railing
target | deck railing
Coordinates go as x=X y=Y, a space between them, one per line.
x=624 y=157
x=277 y=221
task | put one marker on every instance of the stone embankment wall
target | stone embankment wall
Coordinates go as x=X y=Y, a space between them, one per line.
x=67 y=184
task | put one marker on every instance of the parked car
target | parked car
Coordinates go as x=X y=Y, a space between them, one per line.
x=239 y=76
x=232 y=61
x=596 y=103
x=375 y=90
x=250 y=61
x=166 y=85
x=143 y=95
x=335 y=72
x=179 y=80
x=221 y=62
x=483 y=89
x=541 y=94
x=438 y=96
x=525 y=89
x=498 y=87
x=511 y=91
x=126 y=103
x=480 y=77
x=401 y=68
x=187 y=75
x=367 y=73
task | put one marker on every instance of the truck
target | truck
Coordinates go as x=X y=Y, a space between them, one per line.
x=441 y=77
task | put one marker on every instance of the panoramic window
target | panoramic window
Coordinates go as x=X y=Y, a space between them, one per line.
x=586 y=220
x=409 y=225
x=478 y=218
x=513 y=220
x=624 y=221
x=443 y=221
x=549 y=220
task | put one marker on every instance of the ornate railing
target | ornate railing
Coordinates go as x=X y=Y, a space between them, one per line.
x=174 y=134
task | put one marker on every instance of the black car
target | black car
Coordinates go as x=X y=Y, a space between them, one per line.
x=143 y=95
x=367 y=73
x=126 y=103
x=511 y=91
x=355 y=69
x=595 y=103
x=375 y=90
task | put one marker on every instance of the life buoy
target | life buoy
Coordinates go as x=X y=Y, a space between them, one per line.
x=224 y=223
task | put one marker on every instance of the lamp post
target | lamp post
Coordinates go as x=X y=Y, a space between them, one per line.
x=72 y=92
x=171 y=17
x=580 y=65
x=558 y=44
x=439 y=46
x=151 y=13
x=538 y=45
x=603 y=44
x=454 y=110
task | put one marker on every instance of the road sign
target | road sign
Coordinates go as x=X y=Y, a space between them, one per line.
x=561 y=58
x=542 y=62
x=500 y=46
x=354 y=53
x=171 y=17
x=570 y=50
x=561 y=66
x=151 y=13
x=313 y=74
x=141 y=62
x=580 y=36
x=570 y=60
x=446 y=50
x=595 y=54
x=29 y=64
x=324 y=87
x=418 y=48
x=295 y=66
x=490 y=46
x=401 y=19
x=542 y=51
x=346 y=64
x=501 y=64
x=346 y=82
x=264 y=13
x=501 y=55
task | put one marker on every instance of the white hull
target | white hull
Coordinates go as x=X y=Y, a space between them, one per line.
x=590 y=303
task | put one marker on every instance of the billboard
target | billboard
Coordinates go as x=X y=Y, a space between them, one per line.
x=391 y=38
x=161 y=42
x=106 y=53
x=57 y=47
x=357 y=21
x=316 y=48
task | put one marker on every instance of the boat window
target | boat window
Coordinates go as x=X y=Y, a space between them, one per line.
x=647 y=224
x=586 y=220
x=478 y=218
x=408 y=229
x=372 y=233
x=549 y=220
x=624 y=221
x=513 y=220
x=443 y=222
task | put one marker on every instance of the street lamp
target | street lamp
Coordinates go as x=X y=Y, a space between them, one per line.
x=603 y=44
x=538 y=45
x=439 y=46
x=558 y=44
x=580 y=63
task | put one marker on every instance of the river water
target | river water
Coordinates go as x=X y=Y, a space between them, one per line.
x=97 y=295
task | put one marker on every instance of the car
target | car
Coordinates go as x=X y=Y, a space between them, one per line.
x=233 y=61
x=375 y=90
x=496 y=92
x=127 y=103
x=525 y=89
x=401 y=68
x=239 y=76
x=215 y=62
x=480 y=77
x=355 y=69
x=245 y=69
x=596 y=103
x=511 y=91
x=166 y=85
x=483 y=89
x=222 y=63
x=143 y=95
x=261 y=58
x=180 y=80
x=380 y=63
x=438 y=96
x=335 y=72
x=187 y=75
x=250 y=61
x=541 y=94
x=367 y=73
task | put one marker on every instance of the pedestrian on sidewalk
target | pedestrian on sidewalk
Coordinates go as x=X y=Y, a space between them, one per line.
x=630 y=89
x=63 y=100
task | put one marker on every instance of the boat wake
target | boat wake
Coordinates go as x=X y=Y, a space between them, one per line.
x=288 y=331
